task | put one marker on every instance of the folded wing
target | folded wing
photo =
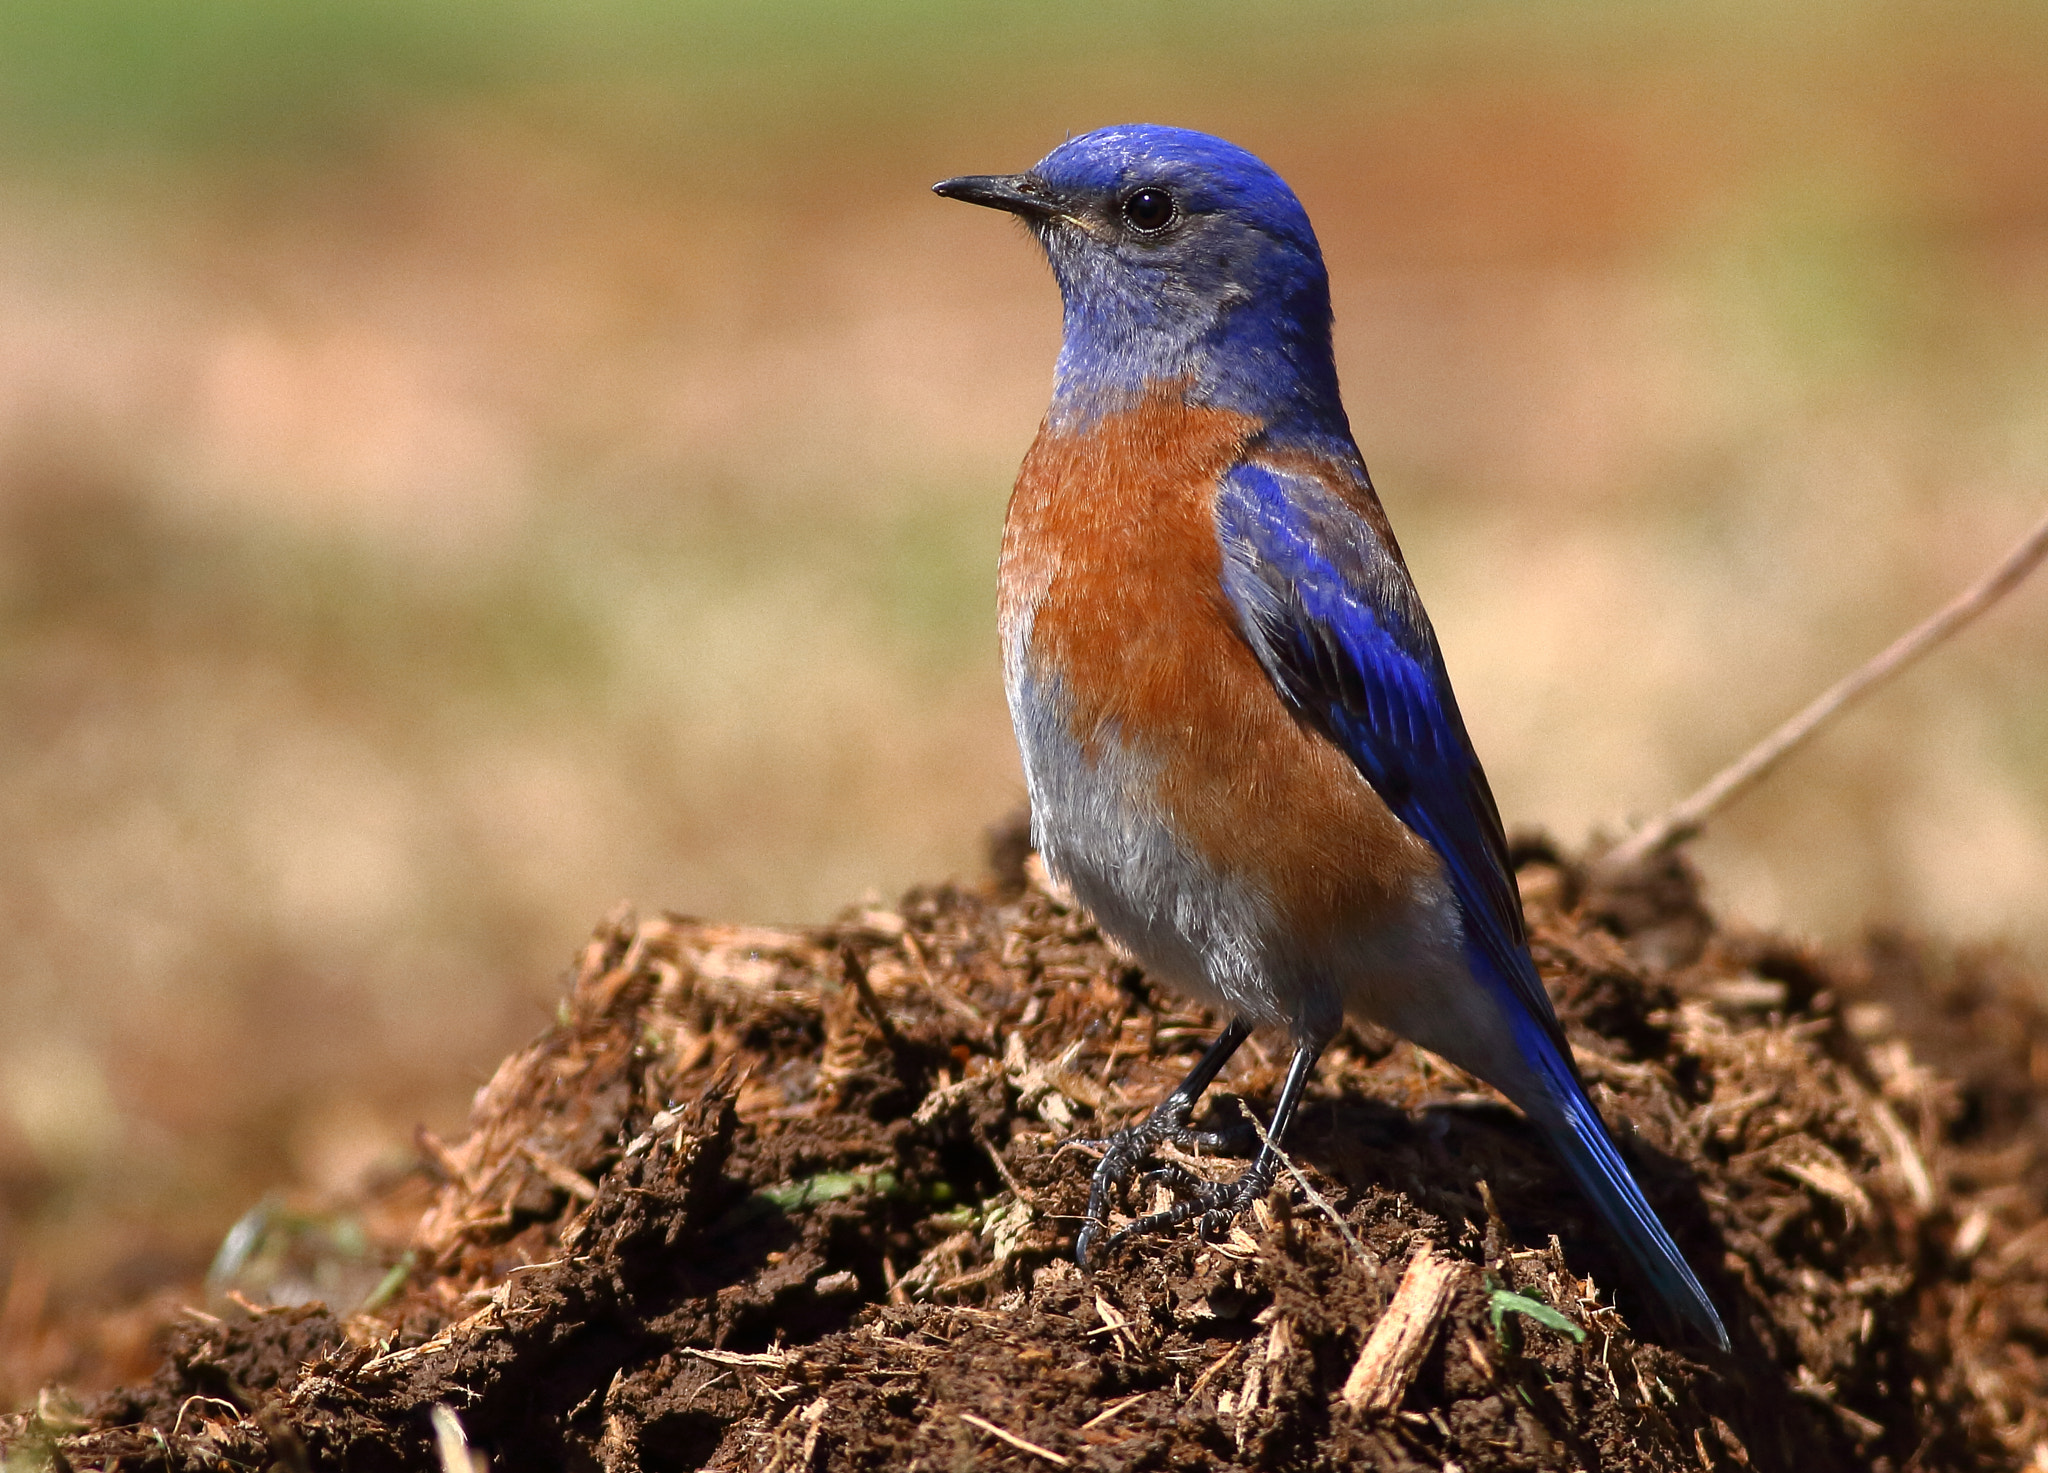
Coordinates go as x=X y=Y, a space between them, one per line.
x=1329 y=609
x=1326 y=604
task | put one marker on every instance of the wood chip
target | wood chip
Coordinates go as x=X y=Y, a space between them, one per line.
x=814 y=1416
x=1831 y=1179
x=1113 y=1323
x=570 y=1180
x=1395 y=1349
x=1905 y=1156
x=451 y=1444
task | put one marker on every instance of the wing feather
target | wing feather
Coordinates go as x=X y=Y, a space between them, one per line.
x=1331 y=613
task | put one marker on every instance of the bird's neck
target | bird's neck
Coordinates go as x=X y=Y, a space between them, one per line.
x=1270 y=361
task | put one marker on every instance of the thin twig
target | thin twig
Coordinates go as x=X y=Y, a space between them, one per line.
x=771 y=1361
x=1683 y=820
x=1209 y=1375
x=1017 y=1188
x=857 y=973
x=1111 y=1410
x=1314 y=1196
x=1013 y=1439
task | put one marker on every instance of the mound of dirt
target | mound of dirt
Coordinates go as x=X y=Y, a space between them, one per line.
x=798 y=1199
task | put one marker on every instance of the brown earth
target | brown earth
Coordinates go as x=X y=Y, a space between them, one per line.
x=796 y=1199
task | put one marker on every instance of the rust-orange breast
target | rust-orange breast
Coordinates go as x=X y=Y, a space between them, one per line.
x=1110 y=558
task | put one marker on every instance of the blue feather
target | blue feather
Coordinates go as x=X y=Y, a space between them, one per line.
x=1336 y=622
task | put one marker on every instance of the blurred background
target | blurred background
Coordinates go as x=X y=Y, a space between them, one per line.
x=464 y=465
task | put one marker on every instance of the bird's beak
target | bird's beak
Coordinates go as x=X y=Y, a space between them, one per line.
x=1020 y=194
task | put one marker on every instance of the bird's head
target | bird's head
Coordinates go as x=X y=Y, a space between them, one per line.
x=1178 y=255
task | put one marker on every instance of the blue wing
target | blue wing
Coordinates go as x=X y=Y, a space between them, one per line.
x=1328 y=607
x=1321 y=595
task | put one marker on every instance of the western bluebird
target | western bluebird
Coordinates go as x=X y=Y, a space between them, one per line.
x=1242 y=749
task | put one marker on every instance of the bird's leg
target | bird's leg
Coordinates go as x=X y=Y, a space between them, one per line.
x=1127 y=1150
x=1220 y=1202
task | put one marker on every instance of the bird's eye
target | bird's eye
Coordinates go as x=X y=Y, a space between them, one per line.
x=1150 y=211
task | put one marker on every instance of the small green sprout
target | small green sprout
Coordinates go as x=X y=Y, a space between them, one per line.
x=828 y=1186
x=1503 y=1302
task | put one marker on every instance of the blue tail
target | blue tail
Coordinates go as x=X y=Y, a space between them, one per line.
x=1580 y=1136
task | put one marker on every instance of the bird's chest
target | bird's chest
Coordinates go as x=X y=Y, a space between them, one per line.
x=1170 y=785
x=1119 y=649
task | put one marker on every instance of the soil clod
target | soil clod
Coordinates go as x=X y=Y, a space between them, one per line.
x=798 y=1199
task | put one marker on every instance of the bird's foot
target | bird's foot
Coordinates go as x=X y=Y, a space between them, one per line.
x=1220 y=1203
x=1128 y=1151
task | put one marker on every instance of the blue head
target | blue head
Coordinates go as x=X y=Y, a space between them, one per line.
x=1178 y=255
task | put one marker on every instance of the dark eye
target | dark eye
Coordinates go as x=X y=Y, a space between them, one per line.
x=1150 y=210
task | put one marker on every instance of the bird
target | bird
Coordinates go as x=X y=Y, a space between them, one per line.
x=1240 y=745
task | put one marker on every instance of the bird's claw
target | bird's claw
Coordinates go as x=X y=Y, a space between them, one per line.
x=1218 y=1203
x=1233 y=1140
x=1124 y=1153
